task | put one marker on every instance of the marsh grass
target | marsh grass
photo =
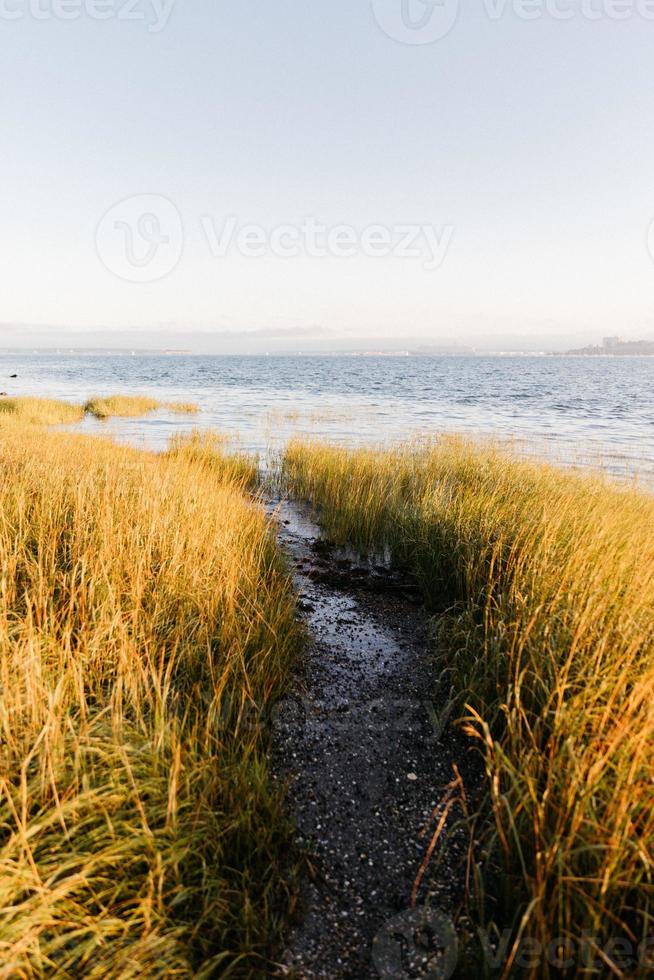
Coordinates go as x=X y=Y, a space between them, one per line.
x=182 y=408
x=208 y=451
x=47 y=411
x=146 y=626
x=133 y=406
x=549 y=580
x=43 y=411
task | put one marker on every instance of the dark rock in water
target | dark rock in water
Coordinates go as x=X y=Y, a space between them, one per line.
x=13 y=375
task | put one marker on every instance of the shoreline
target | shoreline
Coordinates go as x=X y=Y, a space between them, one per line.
x=568 y=409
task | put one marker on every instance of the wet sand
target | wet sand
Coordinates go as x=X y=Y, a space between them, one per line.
x=360 y=743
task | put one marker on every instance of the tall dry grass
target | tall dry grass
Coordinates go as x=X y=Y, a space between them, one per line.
x=145 y=628
x=207 y=450
x=133 y=406
x=44 y=411
x=549 y=580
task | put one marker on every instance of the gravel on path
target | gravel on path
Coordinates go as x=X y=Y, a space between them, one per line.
x=359 y=743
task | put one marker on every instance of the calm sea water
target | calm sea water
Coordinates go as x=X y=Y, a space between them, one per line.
x=579 y=410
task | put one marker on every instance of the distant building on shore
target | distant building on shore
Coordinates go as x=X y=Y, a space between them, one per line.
x=615 y=347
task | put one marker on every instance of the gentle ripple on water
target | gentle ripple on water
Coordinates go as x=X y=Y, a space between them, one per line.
x=582 y=410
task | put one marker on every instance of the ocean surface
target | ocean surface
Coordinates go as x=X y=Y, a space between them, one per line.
x=597 y=411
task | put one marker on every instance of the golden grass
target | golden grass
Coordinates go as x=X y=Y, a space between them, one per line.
x=182 y=408
x=549 y=577
x=133 y=406
x=207 y=451
x=44 y=411
x=145 y=629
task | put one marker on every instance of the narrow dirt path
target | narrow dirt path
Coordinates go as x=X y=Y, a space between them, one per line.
x=358 y=743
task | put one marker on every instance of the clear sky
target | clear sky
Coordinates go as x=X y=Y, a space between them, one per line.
x=523 y=144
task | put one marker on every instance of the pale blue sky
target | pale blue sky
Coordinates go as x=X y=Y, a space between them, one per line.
x=531 y=140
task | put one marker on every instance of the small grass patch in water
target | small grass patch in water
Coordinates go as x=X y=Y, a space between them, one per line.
x=182 y=408
x=133 y=406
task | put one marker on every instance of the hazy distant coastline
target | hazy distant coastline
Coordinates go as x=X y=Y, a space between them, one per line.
x=290 y=343
x=309 y=341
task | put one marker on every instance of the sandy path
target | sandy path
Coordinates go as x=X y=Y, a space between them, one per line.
x=359 y=744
